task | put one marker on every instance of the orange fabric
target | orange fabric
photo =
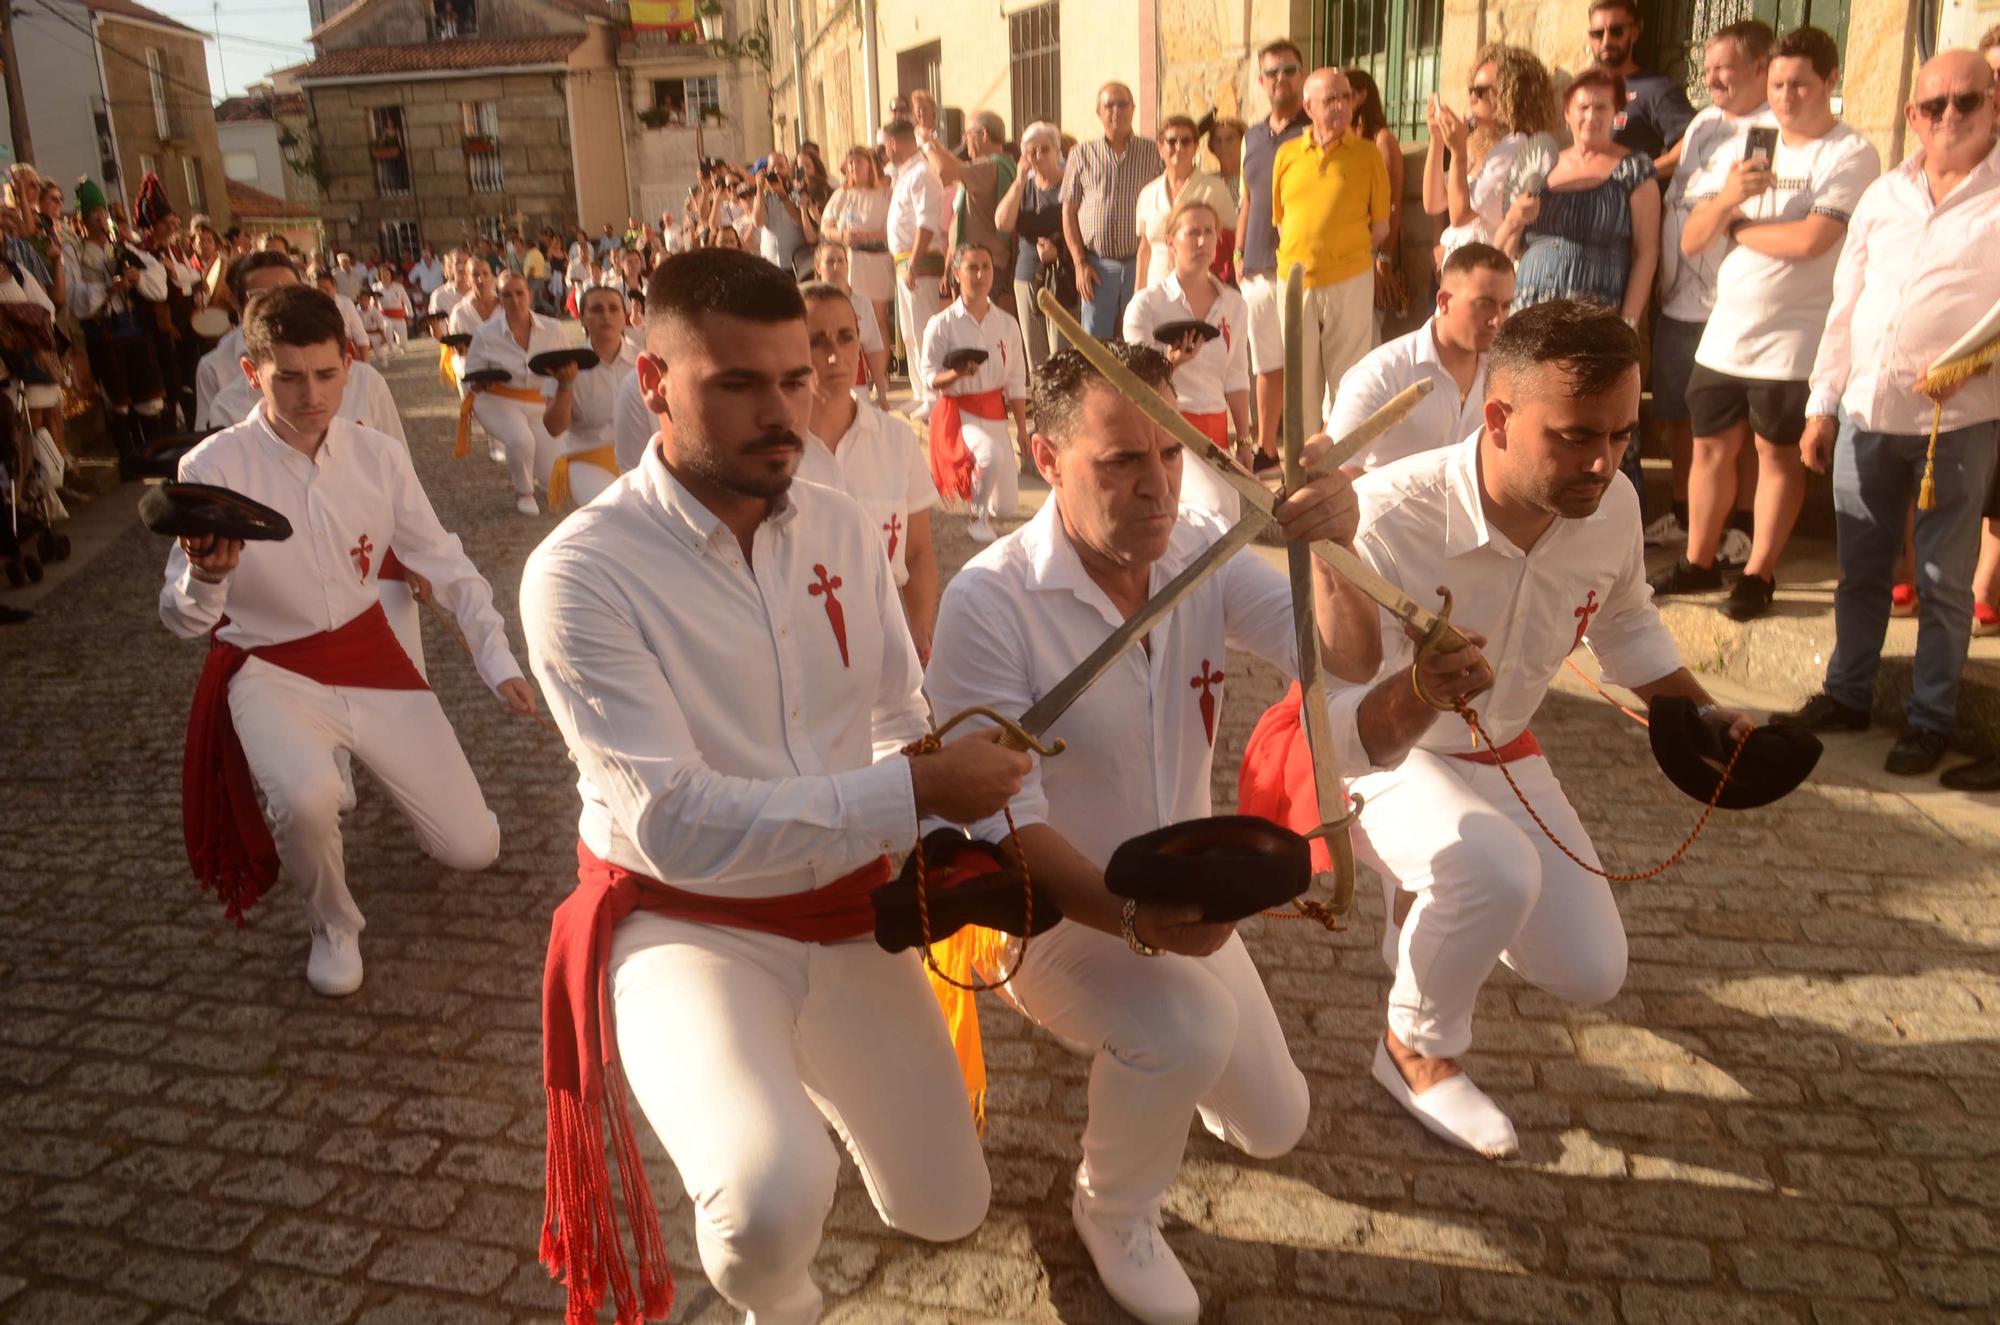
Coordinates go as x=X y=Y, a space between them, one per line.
x=952 y=465
x=1276 y=779
x=1214 y=426
x=1524 y=746
x=461 y=446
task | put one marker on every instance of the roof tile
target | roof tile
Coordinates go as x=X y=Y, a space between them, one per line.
x=251 y=204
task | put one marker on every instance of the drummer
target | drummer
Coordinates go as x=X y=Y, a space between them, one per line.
x=1171 y=1008
x=1211 y=372
x=579 y=414
x=511 y=409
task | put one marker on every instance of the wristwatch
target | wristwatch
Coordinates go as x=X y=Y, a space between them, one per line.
x=1130 y=931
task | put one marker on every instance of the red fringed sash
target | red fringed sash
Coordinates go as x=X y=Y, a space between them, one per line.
x=952 y=464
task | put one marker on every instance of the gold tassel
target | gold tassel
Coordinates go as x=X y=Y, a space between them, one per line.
x=1927 y=492
x=961 y=957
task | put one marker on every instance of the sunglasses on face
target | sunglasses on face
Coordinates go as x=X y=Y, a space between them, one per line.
x=1281 y=71
x=1479 y=91
x=1178 y=140
x=1610 y=30
x=1965 y=103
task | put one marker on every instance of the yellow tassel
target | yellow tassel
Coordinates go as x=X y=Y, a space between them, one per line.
x=447 y=370
x=1959 y=370
x=1927 y=491
x=962 y=957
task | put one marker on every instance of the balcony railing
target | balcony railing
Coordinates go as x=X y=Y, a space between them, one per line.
x=482 y=163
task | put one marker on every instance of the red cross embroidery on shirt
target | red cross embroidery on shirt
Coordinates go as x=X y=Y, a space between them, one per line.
x=834 y=616
x=1222 y=324
x=892 y=528
x=1206 y=683
x=1583 y=615
x=1003 y=354
x=360 y=552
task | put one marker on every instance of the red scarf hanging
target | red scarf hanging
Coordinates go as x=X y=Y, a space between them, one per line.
x=228 y=844
x=586 y=1084
x=952 y=464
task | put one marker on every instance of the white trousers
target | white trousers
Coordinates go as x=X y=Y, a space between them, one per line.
x=741 y=1047
x=395 y=331
x=996 y=482
x=405 y=618
x=587 y=480
x=297 y=734
x=1337 y=326
x=1169 y=1037
x=914 y=311
x=1489 y=887
x=531 y=452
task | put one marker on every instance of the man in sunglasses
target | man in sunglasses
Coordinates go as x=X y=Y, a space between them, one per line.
x=1656 y=110
x=1918 y=271
x=1281 y=70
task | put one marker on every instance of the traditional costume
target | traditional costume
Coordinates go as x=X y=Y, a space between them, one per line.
x=1444 y=416
x=878 y=463
x=511 y=411
x=117 y=328
x=972 y=447
x=303 y=670
x=736 y=737
x=462 y=318
x=1170 y=1036
x=394 y=301
x=1203 y=384
x=589 y=457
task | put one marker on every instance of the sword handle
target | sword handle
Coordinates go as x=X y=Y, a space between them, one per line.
x=1013 y=735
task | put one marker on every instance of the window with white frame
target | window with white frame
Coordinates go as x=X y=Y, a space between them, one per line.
x=191 y=171
x=157 y=77
x=481 y=122
x=400 y=240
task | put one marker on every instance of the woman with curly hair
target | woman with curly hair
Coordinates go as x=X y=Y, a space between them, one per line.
x=1509 y=98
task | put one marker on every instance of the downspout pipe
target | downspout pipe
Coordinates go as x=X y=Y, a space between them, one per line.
x=870 y=76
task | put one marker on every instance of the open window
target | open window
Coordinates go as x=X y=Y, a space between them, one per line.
x=454 y=18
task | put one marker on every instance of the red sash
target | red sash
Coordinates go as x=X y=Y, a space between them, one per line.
x=392 y=569
x=952 y=465
x=1276 y=779
x=1214 y=426
x=400 y=314
x=1524 y=746
x=228 y=844
x=586 y=1085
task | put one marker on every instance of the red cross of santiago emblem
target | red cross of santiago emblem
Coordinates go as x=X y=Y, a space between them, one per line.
x=1583 y=615
x=359 y=552
x=1222 y=325
x=835 y=617
x=892 y=528
x=1207 y=682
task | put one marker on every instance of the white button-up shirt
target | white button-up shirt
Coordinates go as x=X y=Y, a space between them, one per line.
x=735 y=722
x=445 y=299
x=494 y=346
x=1423 y=524
x=1202 y=384
x=955 y=328
x=593 y=402
x=1023 y=613
x=348 y=505
x=1439 y=419
x=1914 y=277
x=633 y=423
x=222 y=364
x=878 y=463
x=916 y=202
x=366 y=400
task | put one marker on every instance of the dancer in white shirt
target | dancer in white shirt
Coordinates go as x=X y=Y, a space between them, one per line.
x=1211 y=376
x=916 y=238
x=305 y=667
x=581 y=414
x=872 y=456
x=223 y=364
x=511 y=411
x=478 y=303
x=1536 y=534
x=830 y=264
x=723 y=649
x=972 y=455
x=350 y=315
x=1171 y=1008
x=393 y=300
x=1475 y=290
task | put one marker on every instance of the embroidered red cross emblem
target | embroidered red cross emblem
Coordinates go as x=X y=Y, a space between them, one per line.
x=1583 y=615
x=892 y=528
x=834 y=616
x=359 y=552
x=1207 y=682
x=1003 y=354
x=1223 y=325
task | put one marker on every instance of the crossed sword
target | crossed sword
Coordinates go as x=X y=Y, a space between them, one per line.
x=1259 y=512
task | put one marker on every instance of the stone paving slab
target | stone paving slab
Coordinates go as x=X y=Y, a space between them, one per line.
x=1792 y=1112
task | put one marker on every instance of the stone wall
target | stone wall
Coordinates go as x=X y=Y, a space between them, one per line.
x=407 y=23
x=191 y=117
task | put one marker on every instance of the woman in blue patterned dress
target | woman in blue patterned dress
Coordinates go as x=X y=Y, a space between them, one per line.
x=1593 y=231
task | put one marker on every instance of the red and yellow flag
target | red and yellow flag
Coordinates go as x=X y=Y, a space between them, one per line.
x=671 y=16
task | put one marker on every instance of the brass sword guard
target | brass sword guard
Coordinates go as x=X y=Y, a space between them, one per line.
x=1012 y=734
x=1433 y=640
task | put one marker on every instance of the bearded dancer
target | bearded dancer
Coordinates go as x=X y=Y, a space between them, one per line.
x=303 y=669
x=511 y=411
x=972 y=456
x=582 y=402
x=1532 y=528
x=1171 y=1008
x=725 y=654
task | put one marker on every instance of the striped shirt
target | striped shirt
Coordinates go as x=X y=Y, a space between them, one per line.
x=1105 y=186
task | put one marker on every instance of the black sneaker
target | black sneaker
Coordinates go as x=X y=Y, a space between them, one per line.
x=1823 y=713
x=1686 y=577
x=1264 y=463
x=1980 y=775
x=1916 y=752
x=1751 y=598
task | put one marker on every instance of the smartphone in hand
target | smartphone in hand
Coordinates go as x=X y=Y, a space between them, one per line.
x=1761 y=143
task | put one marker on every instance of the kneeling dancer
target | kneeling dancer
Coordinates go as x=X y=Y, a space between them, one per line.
x=303 y=670
x=1170 y=1007
x=724 y=651
x=1536 y=534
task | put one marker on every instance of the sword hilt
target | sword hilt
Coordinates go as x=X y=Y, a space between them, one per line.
x=1013 y=735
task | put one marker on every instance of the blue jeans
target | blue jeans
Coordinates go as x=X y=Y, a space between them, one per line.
x=1104 y=315
x=1875 y=478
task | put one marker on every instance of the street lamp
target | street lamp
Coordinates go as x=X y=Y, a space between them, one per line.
x=713 y=29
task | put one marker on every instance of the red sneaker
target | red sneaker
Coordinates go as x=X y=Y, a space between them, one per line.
x=1985 y=619
x=1903 y=600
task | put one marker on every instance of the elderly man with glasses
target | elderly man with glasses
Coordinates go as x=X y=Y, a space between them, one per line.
x=1918 y=271
x=1100 y=193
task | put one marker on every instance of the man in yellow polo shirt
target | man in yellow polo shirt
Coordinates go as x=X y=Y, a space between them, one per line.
x=1330 y=202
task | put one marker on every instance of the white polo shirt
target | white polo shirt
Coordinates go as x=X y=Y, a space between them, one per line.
x=1712 y=144
x=954 y=328
x=735 y=722
x=593 y=402
x=1202 y=384
x=879 y=464
x=1423 y=524
x=1439 y=419
x=365 y=400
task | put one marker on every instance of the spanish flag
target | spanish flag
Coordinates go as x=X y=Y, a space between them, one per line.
x=670 y=16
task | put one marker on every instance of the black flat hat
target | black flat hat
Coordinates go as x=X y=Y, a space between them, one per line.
x=1173 y=333
x=545 y=363
x=1693 y=751
x=967 y=882
x=1231 y=866
x=192 y=510
x=457 y=340
x=486 y=377
x=969 y=357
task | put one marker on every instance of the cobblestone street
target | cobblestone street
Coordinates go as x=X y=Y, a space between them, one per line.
x=1791 y=1114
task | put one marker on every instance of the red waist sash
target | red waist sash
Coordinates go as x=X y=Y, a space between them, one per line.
x=228 y=844
x=1275 y=781
x=392 y=569
x=1214 y=426
x=398 y=313
x=952 y=464
x=1523 y=746
x=586 y=1085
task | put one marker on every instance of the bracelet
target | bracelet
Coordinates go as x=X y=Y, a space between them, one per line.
x=1130 y=930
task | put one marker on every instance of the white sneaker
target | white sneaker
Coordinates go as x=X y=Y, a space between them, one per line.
x=1454 y=1109
x=334 y=968
x=1137 y=1267
x=1734 y=547
x=922 y=413
x=495 y=451
x=981 y=531
x=1666 y=531
x=526 y=506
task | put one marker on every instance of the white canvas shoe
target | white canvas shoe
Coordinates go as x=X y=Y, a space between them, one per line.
x=334 y=968
x=1734 y=548
x=1665 y=531
x=981 y=531
x=1455 y=1109
x=1137 y=1267
x=526 y=506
